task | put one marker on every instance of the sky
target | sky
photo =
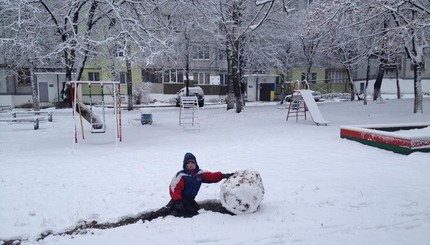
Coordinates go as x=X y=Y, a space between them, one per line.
x=319 y=188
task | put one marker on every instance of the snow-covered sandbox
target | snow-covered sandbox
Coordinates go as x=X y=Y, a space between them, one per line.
x=243 y=192
x=399 y=138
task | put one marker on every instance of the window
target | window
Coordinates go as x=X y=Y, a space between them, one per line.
x=174 y=23
x=167 y=77
x=123 y=77
x=176 y=76
x=312 y=78
x=173 y=76
x=201 y=78
x=221 y=55
x=201 y=53
x=93 y=76
x=308 y=2
x=336 y=76
x=206 y=53
x=223 y=79
x=180 y=76
x=112 y=22
x=24 y=78
x=423 y=66
x=151 y=75
x=118 y=50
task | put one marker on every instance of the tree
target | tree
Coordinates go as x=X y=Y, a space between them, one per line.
x=271 y=49
x=412 y=19
x=192 y=27
x=238 y=20
x=86 y=29
x=344 y=46
x=390 y=25
x=23 y=42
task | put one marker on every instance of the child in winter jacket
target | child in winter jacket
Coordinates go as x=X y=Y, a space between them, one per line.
x=185 y=186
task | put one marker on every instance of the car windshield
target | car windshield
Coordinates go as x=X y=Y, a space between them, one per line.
x=191 y=91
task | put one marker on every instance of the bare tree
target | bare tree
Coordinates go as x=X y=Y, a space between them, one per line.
x=389 y=26
x=238 y=20
x=413 y=21
x=23 y=42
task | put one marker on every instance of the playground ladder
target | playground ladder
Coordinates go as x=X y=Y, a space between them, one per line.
x=297 y=105
x=189 y=113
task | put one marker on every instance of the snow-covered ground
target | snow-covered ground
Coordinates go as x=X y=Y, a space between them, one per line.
x=319 y=188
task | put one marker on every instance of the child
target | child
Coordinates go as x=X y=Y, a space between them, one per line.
x=185 y=186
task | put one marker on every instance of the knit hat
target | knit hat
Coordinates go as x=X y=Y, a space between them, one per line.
x=189 y=157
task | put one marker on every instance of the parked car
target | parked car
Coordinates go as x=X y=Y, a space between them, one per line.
x=316 y=95
x=197 y=91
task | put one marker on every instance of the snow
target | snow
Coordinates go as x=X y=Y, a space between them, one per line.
x=319 y=188
x=243 y=192
x=416 y=131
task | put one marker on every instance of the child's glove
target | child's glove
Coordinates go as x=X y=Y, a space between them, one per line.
x=226 y=176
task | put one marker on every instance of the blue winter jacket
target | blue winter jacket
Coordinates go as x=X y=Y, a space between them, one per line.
x=186 y=184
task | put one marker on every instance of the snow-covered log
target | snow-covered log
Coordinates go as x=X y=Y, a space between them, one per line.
x=87 y=114
x=243 y=192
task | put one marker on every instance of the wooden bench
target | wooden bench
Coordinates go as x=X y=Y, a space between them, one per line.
x=14 y=114
x=34 y=120
x=5 y=108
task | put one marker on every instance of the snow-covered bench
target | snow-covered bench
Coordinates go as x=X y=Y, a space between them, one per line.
x=49 y=113
x=5 y=108
x=34 y=120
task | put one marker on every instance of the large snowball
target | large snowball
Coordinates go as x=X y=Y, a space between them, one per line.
x=243 y=192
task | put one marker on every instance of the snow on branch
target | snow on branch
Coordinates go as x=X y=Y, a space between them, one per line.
x=260 y=2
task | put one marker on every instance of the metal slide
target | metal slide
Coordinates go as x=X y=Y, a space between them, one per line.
x=313 y=107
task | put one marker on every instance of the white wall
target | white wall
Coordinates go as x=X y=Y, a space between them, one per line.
x=6 y=100
x=18 y=100
x=55 y=84
x=253 y=89
x=15 y=100
x=389 y=86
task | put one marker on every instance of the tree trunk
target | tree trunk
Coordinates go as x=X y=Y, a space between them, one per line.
x=235 y=69
x=187 y=74
x=418 y=92
x=241 y=58
x=398 y=82
x=65 y=92
x=282 y=85
x=236 y=84
x=308 y=72
x=351 y=84
x=34 y=92
x=129 y=84
x=367 y=81
x=187 y=64
x=230 y=95
x=378 y=82
x=243 y=92
x=236 y=77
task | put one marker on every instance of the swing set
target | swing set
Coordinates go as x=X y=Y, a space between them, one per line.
x=98 y=125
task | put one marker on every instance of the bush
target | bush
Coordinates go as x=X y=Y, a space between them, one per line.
x=25 y=105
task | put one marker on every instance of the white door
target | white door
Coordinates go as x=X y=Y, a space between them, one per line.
x=251 y=90
x=43 y=92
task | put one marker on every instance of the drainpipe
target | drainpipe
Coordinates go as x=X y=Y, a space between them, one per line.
x=58 y=88
x=257 y=89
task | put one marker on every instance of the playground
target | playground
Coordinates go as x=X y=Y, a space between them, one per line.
x=319 y=188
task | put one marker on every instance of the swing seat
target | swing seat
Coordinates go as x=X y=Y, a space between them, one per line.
x=98 y=128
